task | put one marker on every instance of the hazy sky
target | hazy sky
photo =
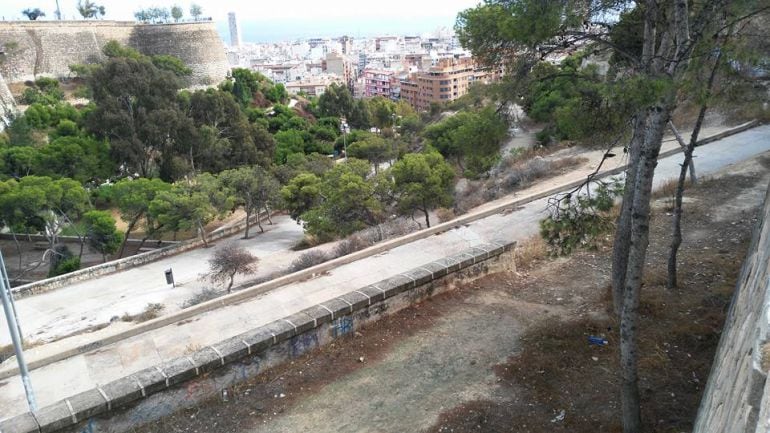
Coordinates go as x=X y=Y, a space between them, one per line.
x=269 y=20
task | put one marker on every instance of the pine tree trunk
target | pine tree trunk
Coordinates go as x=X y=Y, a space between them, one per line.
x=203 y=233
x=691 y=164
x=622 y=241
x=427 y=218
x=128 y=232
x=639 y=240
x=18 y=246
x=259 y=222
x=248 y=222
x=676 y=236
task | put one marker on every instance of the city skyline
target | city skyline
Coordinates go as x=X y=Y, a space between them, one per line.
x=273 y=22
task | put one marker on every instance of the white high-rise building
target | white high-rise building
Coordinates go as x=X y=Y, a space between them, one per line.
x=235 y=34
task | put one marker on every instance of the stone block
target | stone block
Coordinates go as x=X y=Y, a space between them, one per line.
x=206 y=359
x=375 y=295
x=480 y=251
x=258 y=339
x=302 y=322
x=421 y=276
x=359 y=300
x=88 y=403
x=399 y=284
x=439 y=270
x=24 y=423
x=337 y=307
x=450 y=263
x=389 y=286
x=122 y=391
x=465 y=259
x=280 y=330
x=180 y=369
x=319 y=314
x=494 y=249
x=152 y=380
x=232 y=349
x=54 y=417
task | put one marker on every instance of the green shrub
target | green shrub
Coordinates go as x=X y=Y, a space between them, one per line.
x=65 y=266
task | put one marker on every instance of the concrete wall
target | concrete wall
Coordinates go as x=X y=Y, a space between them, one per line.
x=182 y=382
x=737 y=396
x=34 y=48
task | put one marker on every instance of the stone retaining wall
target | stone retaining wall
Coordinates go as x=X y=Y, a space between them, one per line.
x=157 y=391
x=7 y=103
x=53 y=283
x=48 y=48
x=737 y=397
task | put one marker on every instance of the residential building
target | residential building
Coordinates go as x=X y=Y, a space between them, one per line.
x=379 y=82
x=313 y=86
x=339 y=65
x=446 y=81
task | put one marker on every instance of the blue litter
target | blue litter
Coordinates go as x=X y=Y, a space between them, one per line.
x=597 y=341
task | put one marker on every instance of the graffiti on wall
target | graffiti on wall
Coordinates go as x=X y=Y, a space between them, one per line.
x=342 y=326
x=303 y=342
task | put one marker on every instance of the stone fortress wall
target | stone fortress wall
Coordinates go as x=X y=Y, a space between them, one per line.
x=737 y=397
x=7 y=104
x=47 y=48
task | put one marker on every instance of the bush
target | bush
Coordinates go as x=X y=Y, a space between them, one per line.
x=308 y=259
x=349 y=246
x=443 y=214
x=64 y=261
x=201 y=297
x=65 y=266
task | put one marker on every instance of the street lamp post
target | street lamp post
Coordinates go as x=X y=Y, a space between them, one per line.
x=13 y=330
x=344 y=129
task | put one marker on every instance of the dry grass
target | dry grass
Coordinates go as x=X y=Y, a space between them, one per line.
x=201 y=297
x=151 y=311
x=514 y=173
x=529 y=252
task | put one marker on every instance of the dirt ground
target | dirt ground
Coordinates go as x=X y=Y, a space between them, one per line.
x=510 y=352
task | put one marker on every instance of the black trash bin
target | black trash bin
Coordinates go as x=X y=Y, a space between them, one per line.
x=170 y=277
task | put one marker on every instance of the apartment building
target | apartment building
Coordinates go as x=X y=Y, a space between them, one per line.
x=313 y=86
x=338 y=64
x=379 y=82
x=449 y=79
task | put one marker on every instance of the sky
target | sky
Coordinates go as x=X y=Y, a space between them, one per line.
x=263 y=20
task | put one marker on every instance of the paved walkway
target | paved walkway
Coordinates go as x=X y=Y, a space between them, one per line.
x=79 y=373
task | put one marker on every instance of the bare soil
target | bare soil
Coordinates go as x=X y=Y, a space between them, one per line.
x=510 y=352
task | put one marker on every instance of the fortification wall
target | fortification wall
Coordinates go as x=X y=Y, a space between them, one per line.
x=7 y=104
x=737 y=396
x=48 y=48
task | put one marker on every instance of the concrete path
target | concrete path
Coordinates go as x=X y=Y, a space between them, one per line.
x=79 y=373
x=94 y=302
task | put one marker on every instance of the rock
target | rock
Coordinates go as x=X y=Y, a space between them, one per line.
x=361 y=359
